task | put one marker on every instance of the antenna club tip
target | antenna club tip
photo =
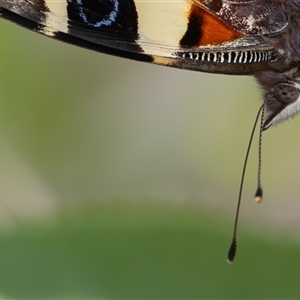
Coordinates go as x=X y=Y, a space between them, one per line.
x=258 y=195
x=258 y=199
x=229 y=261
x=231 y=252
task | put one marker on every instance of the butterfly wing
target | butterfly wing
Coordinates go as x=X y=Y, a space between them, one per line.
x=212 y=36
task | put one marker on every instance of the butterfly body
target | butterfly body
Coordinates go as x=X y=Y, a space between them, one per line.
x=245 y=37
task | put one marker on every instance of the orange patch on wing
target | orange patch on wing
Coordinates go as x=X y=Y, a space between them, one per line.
x=215 y=31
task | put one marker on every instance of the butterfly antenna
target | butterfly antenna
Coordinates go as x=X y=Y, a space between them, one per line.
x=258 y=194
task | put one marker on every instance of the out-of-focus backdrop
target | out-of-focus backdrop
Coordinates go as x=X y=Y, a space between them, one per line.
x=119 y=179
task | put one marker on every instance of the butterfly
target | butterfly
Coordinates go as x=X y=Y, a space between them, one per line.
x=243 y=37
x=219 y=36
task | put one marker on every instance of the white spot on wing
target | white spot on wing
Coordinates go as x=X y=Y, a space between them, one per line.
x=58 y=17
x=161 y=23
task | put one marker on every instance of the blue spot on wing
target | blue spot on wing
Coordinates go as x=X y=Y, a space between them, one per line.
x=88 y=18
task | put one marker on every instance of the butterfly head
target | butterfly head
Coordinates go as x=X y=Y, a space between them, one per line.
x=281 y=94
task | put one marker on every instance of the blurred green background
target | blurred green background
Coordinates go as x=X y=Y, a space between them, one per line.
x=119 y=179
